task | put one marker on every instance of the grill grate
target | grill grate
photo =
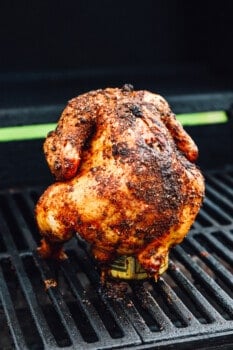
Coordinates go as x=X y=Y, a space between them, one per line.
x=192 y=302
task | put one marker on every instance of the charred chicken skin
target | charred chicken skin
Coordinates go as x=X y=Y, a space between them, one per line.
x=125 y=179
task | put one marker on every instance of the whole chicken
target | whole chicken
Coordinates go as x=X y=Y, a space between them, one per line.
x=125 y=179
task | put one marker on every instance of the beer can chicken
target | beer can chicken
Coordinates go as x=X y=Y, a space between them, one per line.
x=126 y=181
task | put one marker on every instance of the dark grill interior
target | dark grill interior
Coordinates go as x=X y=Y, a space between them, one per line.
x=191 y=302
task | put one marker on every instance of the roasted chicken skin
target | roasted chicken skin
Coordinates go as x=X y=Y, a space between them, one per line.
x=125 y=178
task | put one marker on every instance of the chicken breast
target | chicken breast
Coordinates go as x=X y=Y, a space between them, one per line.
x=125 y=179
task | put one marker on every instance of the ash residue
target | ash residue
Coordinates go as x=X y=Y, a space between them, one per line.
x=127 y=292
x=116 y=289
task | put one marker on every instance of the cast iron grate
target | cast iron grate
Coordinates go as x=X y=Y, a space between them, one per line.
x=191 y=304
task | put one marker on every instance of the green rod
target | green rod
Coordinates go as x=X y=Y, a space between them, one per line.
x=39 y=131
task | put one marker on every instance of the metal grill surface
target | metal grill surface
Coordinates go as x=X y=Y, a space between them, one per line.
x=45 y=305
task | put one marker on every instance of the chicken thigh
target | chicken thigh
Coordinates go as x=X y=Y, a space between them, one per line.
x=125 y=179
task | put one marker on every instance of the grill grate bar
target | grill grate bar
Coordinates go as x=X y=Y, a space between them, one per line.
x=9 y=310
x=152 y=307
x=209 y=220
x=220 y=198
x=29 y=216
x=226 y=177
x=129 y=308
x=88 y=308
x=166 y=328
x=219 y=184
x=219 y=211
x=200 y=302
x=130 y=333
x=223 y=202
x=6 y=236
x=61 y=307
x=21 y=223
x=35 y=309
x=207 y=281
x=26 y=286
x=219 y=269
x=220 y=248
x=82 y=259
x=177 y=305
x=229 y=236
x=125 y=306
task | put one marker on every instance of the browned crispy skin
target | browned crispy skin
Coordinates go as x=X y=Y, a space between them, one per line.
x=126 y=181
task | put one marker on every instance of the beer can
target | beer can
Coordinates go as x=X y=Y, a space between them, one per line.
x=128 y=268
